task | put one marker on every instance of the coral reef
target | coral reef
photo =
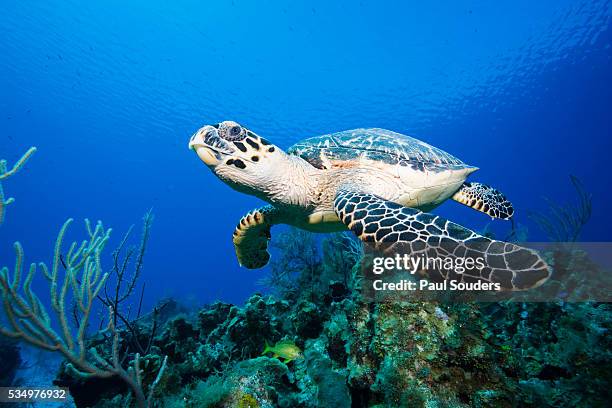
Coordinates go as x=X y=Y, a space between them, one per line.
x=356 y=352
x=30 y=321
x=560 y=352
x=10 y=360
x=396 y=354
x=9 y=351
x=386 y=354
x=5 y=173
x=297 y=261
x=563 y=223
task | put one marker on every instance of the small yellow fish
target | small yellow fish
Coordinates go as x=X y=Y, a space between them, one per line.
x=285 y=349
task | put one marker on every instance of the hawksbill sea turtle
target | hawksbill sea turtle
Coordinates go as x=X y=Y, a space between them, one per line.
x=377 y=183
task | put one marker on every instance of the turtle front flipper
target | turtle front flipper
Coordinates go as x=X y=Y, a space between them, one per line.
x=252 y=234
x=485 y=199
x=381 y=222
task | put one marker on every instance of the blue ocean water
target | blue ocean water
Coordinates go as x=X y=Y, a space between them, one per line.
x=110 y=92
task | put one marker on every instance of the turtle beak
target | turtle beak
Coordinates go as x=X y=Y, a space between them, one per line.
x=198 y=143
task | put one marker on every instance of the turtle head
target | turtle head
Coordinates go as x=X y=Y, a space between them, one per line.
x=239 y=157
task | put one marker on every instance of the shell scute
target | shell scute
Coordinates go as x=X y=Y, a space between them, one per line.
x=378 y=145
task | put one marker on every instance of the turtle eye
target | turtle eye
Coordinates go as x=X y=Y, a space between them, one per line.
x=235 y=130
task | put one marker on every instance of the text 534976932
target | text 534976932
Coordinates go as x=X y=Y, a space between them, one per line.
x=32 y=394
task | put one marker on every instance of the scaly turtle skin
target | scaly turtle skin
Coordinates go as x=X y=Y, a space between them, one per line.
x=377 y=183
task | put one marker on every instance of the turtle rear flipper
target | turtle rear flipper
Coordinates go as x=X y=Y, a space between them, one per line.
x=378 y=221
x=485 y=199
x=252 y=234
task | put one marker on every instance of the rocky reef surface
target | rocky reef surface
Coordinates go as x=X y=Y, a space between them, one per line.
x=10 y=359
x=358 y=353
